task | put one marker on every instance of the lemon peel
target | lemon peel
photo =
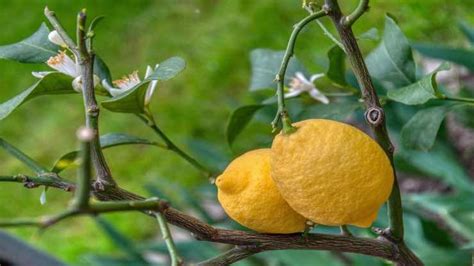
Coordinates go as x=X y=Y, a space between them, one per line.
x=248 y=195
x=331 y=173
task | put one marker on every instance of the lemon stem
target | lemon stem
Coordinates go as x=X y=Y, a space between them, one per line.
x=282 y=113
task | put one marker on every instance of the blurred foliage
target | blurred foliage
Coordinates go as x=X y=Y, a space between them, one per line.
x=215 y=38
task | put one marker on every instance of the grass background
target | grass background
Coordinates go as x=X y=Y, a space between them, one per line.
x=215 y=38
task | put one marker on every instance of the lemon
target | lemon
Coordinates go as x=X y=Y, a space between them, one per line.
x=331 y=173
x=248 y=195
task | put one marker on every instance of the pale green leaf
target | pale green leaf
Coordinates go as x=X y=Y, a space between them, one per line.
x=419 y=92
x=265 y=65
x=421 y=130
x=392 y=61
x=34 y=49
x=133 y=100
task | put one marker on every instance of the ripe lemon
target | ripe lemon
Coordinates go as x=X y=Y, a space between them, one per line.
x=331 y=173
x=248 y=195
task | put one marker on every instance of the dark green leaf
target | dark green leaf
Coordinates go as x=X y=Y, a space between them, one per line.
x=119 y=239
x=71 y=159
x=34 y=49
x=337 y=68
x=468 y=31
x=421 y=130
x=459 y=56
x=102 y=70
x=32 y=164
x=239 y=119
x=168 y=69
x=392 y=61
x=334 y=111
x=52 y=84
x=133 y=100
x=265 y=66
x=419 y=92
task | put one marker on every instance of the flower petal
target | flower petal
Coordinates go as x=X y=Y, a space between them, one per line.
x=301 y=77
x=127 y=82
x=317 y=95
x=55 y=38
x=293 y=93
x=40 y=74
x=316 y=76
x=64 y=64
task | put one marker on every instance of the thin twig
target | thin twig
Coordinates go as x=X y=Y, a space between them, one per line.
x=150 y=122
x=330 y=36
x=362 y=7
x=47 y=179
x=232 y=255
x=165 y=232
x=282 y=113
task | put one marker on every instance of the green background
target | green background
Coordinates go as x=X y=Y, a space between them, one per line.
x=215 y=38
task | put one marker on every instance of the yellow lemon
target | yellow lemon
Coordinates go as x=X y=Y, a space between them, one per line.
x=331 y=173
x=248 y=195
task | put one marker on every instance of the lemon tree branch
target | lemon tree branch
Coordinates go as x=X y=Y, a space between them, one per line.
x=375 y=115
x=85 y=57
x=282 y=113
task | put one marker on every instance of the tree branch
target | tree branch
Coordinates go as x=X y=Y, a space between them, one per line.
x=85 y=59
x=375 y=115
x=282 y=113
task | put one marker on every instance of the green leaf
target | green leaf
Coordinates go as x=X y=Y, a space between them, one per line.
x=419 y=92
x=168 y=69
x=120 y=240
x=52 y=84
x=71 y=159
x=372 y=34
x=392 y=61
x=455 y=210
x=34 y=49
x=28 y=161
x=102 y=70
x=133 y=100
x=334 y=111
x=441 y=163
x=337 y=68
x=467 y=30
x=265 y=65
x=239 y=118
x=459 y=56
x=421 y=130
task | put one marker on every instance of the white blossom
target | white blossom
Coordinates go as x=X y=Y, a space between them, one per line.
x=130 y=81
x=55 y=38
x=66 y=65
x=300 y=84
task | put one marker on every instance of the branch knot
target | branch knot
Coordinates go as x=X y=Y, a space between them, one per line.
x=375 y=116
